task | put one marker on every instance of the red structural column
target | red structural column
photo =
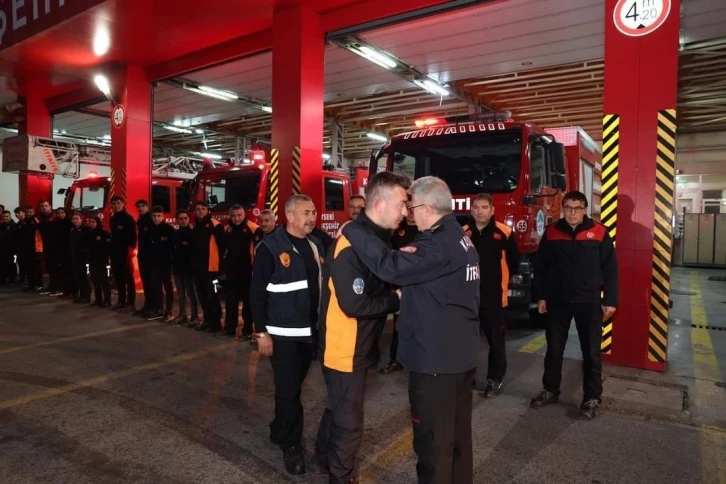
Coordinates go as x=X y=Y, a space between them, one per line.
x=32 y=188
x=298 y=89
x=131 y=124
x=641 y=73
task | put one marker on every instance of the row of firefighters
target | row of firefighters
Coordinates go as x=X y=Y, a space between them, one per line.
x=306 y=295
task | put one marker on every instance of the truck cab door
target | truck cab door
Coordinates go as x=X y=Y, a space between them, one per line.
x=336 y=196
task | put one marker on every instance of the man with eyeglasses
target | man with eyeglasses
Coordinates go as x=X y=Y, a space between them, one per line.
x=576 y=276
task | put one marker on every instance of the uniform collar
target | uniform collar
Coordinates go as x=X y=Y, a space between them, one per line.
x=363 y=219
x=586 y=224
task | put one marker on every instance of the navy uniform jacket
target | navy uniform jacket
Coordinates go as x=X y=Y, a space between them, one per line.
x=438 y=328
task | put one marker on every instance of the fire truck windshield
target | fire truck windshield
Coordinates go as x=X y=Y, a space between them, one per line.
x=238 y=188
x=468 y=162
x=88 y=198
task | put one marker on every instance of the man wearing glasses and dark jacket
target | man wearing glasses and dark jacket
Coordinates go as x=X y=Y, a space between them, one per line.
x=576 y=276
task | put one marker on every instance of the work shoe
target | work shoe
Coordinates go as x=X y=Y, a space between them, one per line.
x=544 y=398
x=181 y=320
x=203 y=326
x=392 y=367
x=294 y=460
x=589 y=407
x=118 y=306
x=493 y=389
x=169 y=318
x=244 y=337
x=193 y=323
x=319 y=465
x=154 y=316
x=142 y=312
x=222 y=333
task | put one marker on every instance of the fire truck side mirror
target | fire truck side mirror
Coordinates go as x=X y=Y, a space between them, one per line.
x=559 y=181
x=61 y=191
x=557 y=157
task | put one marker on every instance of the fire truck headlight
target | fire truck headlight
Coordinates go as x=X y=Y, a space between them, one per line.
x=516 y=279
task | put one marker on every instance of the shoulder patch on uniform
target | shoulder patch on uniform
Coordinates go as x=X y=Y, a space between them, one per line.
x=497 y=236
x=285 y=259
x=358 y=285
x=408 y=248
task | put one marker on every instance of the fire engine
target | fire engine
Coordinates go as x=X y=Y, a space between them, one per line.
x=527 y=170
x=247 y=184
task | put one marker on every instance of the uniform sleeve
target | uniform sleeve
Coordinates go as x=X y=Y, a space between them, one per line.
x=541 y=268
x=609 y=270
x=131 y=231
x=263 y=268
x=512 y=254
x=424 y=261
x=219 y=237
x=345 y=269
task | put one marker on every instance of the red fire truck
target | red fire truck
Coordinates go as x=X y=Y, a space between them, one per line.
x=527 y=170
x=248 y=185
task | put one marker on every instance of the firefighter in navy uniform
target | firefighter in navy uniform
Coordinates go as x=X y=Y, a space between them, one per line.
x=575 y=263
x=402 y=236
x=80 y=244
x=7 y=248
x=31 y=246
x=161 y=254
x=285 y=295
x=123 y=243
x=145 y=260
x=438 y=329
x=182 y=268
x=51 y=258
x=355 y=305
x=498 y=260
x=241 y=238
x=99 y=259
x=207 y=247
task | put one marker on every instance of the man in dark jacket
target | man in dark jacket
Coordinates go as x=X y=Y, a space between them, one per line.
x=402 y=236
x=100 y=252
x=208 y=243
x=160 y=256
x=64 y=225
x=18 y=248
x=49 y=233
x=355 y=304
x=145 y=260
x=182 y=268
x=7 y=248
x=240 y=239
x=79 y=237
x=438 y=329
x=123 y=243
x=31 y=246
x=498 y=259
x=285 y=295
x=575 y=263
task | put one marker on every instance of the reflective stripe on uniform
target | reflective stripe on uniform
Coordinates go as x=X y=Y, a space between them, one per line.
x=289 y=287
x=278 y=331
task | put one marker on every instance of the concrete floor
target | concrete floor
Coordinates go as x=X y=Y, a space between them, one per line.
x=89 y=396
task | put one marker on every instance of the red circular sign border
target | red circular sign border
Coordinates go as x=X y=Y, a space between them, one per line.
x=640 y=32
x=113 y=115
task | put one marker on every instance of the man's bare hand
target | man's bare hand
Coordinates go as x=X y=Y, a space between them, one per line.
x=264 y=345
x=607 y=312
x=542 y=306
x=399 y=293
x=340 y=229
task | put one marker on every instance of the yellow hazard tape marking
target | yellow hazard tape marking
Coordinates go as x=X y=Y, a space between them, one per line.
x=609 y=199
x=296 y=170
x=662 y=233
x=274 y=181
x=387 y=457
x=69 y=339
x=99 y=380
x=706 y=371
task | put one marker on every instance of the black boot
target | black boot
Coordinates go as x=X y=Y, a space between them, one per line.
x=294 y=460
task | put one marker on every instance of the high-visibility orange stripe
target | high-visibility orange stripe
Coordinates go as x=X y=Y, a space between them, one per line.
x=505 y=267
x=38 y=241
x=341 y=332
x=213 y=249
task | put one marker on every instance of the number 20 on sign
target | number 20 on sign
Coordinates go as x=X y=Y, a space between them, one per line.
x=636 y=18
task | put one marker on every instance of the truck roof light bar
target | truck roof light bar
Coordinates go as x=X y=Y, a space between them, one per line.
x=491 y=117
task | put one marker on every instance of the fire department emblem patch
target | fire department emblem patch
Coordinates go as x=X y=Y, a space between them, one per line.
x=591 y=235
x=285 y=259
x=401 y=233
x=497 y=236
x=409 y=248
x=358 y=285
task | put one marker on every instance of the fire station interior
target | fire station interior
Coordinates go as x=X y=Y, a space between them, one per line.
x=97 y=397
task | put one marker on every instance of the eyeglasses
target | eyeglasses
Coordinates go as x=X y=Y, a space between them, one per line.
x=570 y=209
x=415 y=206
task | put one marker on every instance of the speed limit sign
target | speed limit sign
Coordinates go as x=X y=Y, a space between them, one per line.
x=636 y=18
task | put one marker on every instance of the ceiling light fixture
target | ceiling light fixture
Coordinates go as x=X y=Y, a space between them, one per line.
x=432 y=86
x=377 y=137
x=377 y=57
x=326 y=156
x=101 y=42
x=177 y=129
x=266 y=109
x=210 y=155
x=103 y=85
x=218 y=93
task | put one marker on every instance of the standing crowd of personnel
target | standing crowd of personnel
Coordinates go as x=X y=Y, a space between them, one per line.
x=308 y=296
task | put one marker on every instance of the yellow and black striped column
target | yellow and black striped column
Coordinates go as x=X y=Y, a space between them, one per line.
x=296 y=170
x=609 y=198
x=665 y=170
x=274 y=181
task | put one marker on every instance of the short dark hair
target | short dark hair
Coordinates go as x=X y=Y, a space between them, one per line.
x=236 y=206
x=5 y=211
x=575 y=196
x=29 y=207
x=41 y=202
x=385 y=179
x=483 y=197
x=354 y=197
x=141 y=202
x=182 y=212
x=77 y=213
x=19 y=209
x=201 y=203
x=157 y=209
x=116 y=198
x=60 y=209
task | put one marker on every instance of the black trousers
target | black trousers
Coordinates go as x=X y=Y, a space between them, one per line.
x=441 y=416
x=341 y=426
x=101 y=284
x=33 y=269
x=147 y=282
x=123 y=272
x=80 y=278
x=393 y=352
x=22 y=267
x=234 y=293
x=185 y=289
x=68 y=280
x=494 y=328
x=159 y=280
x=7 y=267
x=588 y=320
x=52 y=265
x=207 y=294
x=290 y=364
